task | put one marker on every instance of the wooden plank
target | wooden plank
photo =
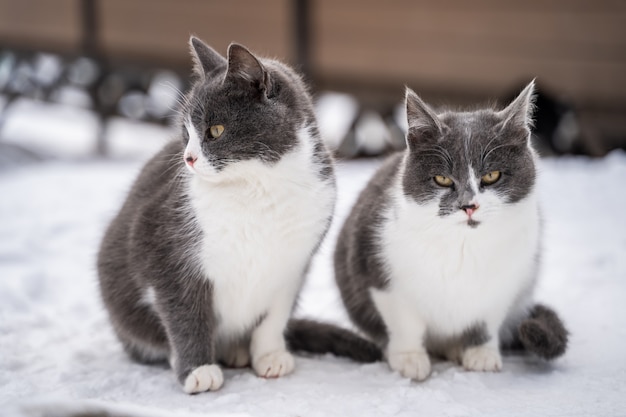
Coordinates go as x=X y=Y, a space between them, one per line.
x=595 y=32
x=486 y=47
x=161 y=28
x=583 y=81
x=40 y=24
x=484 y=5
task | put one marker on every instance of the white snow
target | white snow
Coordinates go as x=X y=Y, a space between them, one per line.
x=70 y=132
x=34 y=124
x=58 y=352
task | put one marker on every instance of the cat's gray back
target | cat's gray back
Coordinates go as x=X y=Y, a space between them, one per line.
x=146 y=245
x=357 y=258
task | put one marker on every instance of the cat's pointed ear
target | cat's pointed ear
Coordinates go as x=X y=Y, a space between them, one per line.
x=424 y=124
x=205 y=59
x=519 y=114
x=245 y=66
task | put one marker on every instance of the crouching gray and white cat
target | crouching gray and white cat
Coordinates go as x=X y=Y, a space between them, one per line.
x=440 y=253
x=205 y=260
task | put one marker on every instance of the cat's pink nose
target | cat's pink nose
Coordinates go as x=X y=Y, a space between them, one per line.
x=470 y=209
x=190 y=160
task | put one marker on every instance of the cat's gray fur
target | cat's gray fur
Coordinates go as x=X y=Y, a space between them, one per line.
x=154 y=240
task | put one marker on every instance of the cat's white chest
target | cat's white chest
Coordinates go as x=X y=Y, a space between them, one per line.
x=259 y=235
x=453 y=276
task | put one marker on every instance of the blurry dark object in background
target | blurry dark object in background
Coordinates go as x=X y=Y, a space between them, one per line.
x=134 y=92
x=371 y=134
x=561 y=128
x=148 y=94
x=351 y=129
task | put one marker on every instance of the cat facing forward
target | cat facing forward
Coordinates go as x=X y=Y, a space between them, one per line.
x=440 y=253
x=206 y=257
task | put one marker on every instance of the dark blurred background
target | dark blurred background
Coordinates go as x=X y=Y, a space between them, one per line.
x=113 y=57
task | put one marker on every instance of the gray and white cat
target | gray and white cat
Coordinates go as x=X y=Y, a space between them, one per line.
x=440 y=253
x=205 y=260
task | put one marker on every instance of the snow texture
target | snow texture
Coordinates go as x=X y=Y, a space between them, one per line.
x=59 y=357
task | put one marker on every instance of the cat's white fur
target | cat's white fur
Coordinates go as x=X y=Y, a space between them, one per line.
x=446 y=276
x=260 y=225
x=204 y=378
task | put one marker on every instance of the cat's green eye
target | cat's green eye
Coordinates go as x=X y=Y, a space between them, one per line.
x=216 y=131
x=490 y=178
x=443 y=181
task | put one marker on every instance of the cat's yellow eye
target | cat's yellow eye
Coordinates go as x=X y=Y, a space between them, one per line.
x=216 y=131
x=491 y=178
x=443 y=181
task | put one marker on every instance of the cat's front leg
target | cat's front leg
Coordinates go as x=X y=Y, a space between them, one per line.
x=405 y=350
x=190 y=324
x=484 y=357
x=270 y=358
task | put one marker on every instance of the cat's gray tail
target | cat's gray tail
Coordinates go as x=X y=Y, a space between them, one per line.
x=543 y=333
x=315 y=337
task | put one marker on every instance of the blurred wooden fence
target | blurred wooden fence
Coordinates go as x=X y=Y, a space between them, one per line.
x=455 y=47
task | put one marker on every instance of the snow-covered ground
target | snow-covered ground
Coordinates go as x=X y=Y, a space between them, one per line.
x=58 y=352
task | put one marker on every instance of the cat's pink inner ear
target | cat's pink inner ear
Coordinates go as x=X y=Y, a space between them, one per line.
x=243 y=64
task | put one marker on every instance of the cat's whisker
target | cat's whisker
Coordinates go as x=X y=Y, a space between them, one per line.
x=495 y=148
x=177 y=94
x=174 y=162
x=266 y=150
x=183 y=105
x=487 y=146
x=439 y=152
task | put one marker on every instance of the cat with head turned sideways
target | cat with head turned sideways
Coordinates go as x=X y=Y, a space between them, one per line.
x=203 y=264
x=440 y=253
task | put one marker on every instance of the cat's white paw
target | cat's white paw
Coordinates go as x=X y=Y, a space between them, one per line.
x=274 y=364
x=204 y=378
x=414 y=365
x=482 y=358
